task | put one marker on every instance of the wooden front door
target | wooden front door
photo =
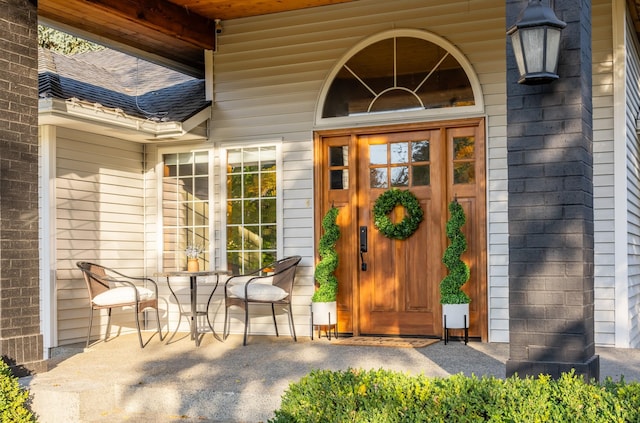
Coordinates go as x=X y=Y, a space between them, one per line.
x=396 y=292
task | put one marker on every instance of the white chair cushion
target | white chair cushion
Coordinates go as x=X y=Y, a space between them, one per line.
x=122 y=295
x=258 y=292
x=242 y=280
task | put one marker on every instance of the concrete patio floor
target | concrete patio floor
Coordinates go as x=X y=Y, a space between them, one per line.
x=226 y=382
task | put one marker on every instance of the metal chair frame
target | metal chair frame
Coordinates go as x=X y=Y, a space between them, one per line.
x=99 y=279
x=282 y=273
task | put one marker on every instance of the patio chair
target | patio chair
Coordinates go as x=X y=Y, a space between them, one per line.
x=110 y=289
x=271 y=284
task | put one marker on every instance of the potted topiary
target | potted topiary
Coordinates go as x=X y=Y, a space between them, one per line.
x=455 y=302
x=323 y=302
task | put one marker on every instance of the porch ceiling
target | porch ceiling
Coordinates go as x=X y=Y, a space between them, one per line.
x=173 y=31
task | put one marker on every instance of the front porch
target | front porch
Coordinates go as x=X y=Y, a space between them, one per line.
x=226 y=382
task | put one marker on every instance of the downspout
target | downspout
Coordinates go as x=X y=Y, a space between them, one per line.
x=47 y=206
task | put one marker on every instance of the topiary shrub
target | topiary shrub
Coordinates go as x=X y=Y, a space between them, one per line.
x=13 y=398
x=327 y=282
x=458 y=274
x=386 y=396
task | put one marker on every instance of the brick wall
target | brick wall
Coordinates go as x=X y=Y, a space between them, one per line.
x=550 y=163
x=20 y=338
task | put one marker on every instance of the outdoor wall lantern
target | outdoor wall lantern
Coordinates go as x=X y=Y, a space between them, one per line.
x=535 y=38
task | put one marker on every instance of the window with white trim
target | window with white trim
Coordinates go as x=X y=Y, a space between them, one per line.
x=185 y=208
x=252 y=229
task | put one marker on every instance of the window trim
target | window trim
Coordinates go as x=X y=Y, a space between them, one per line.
x=224 y=147
x=440 y=113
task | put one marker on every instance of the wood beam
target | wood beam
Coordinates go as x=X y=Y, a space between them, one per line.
x=164 y=17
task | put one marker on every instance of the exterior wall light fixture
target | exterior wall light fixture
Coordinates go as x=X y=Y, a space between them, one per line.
x=535 y=38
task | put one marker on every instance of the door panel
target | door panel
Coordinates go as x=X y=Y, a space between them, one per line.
x=396 y=296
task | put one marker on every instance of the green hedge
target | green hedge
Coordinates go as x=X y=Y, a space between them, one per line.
x=13 y=398
x=386 y=396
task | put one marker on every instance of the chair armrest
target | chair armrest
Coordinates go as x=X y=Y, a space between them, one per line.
x=127 y=282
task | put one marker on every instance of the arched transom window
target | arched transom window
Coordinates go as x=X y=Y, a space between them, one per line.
x=400 y=72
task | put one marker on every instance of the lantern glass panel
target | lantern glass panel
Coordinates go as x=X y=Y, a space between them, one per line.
x=533 y=47
x=553 y=45
x=517 y=52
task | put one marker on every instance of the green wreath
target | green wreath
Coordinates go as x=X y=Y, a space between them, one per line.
x=385 y=205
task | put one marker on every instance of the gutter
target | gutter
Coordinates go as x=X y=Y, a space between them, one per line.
x=98 y=114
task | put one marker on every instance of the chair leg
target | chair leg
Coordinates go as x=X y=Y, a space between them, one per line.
x=138 y=326
x=246 y=322
x=225 y=329
x=158 y=322
x=90 y=325
x=273 y=313
x=293 y=326
x=106 y=334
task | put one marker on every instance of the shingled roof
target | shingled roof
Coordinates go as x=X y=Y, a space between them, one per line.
x=117 y=81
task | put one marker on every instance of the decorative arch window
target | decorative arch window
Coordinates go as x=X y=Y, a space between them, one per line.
x=407 y=71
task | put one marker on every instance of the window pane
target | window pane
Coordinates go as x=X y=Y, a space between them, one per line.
x=251 y=211
x=234 y=186
x=202 y=163
x=251 y=159
x=251 y=261
x=251 y=236
x=463 y=148
x=234 y=237
x=268 y=184
x=420 y=151
x=378 y=154
x=234 y=212
x=251 y=185
x=463 y=173
x=339 y=179
x=201 y=188
x=269 y=237
x=421 y=175
x=268 y=158
x=234 y=262
x=378 y=178
x=338 y=156
x=268 y=211
x=399 y=152
x=400 y=176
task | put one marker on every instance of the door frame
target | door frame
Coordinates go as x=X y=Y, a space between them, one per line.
x=348 y=306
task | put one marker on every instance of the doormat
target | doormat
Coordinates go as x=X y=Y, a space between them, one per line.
x=385 y=341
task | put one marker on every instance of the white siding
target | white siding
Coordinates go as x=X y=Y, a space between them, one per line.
x=603 y=178
x=269 y=71
x=633 y=187
x=99 y=206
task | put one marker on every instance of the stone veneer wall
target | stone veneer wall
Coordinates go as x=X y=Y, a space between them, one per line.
x=21 y=342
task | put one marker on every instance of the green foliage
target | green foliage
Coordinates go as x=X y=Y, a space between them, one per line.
x=63 y=43
x=327 y=282
x=386 y=202
x=386 y=396
x=13 y=398
x=458 y=275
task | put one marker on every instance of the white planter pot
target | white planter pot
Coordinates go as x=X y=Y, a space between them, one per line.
x=455 y=316
x=324 y=313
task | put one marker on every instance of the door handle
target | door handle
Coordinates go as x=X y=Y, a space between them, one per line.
x=363 y=246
